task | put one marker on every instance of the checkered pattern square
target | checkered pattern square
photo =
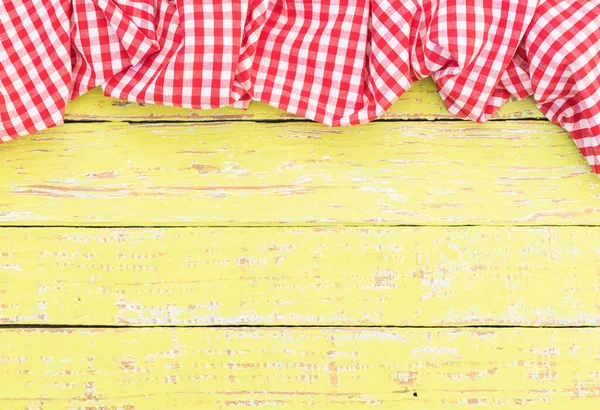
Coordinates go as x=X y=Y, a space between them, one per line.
x=332 y=61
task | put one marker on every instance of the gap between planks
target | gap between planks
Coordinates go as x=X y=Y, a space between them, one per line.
x=253 y=326
x=299 y=121
x=315 y=225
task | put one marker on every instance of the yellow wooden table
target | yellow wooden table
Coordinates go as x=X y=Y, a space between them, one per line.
x=162 y=258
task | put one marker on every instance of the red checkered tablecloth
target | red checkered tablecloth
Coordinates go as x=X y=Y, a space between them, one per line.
x=338 y=62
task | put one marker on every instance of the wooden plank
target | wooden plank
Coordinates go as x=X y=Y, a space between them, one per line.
x=538 y=369
x=301 y=276
x=422 y=101
x=218 y=174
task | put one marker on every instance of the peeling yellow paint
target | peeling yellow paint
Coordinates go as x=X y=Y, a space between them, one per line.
x=326 y=368
x=333 y=268
x=301 y=276
x=440 y=173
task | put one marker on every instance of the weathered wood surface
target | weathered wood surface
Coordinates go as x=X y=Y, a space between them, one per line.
x=537 y=369
x=212 y=177
x=276 y=174
x=301 y=276
x=422 y=101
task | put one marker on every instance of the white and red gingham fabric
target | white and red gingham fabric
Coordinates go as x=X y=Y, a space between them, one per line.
x=338 y=62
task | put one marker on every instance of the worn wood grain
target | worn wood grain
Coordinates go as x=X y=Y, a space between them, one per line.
x=213 y=177
x=421 y=102
x=537 y=369
x=301 y=276
x=277 y=174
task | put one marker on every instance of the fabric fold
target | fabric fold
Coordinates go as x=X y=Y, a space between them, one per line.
x=471 y=65
x=563 y=52
x=196 y=65
x=35 y=66
x=107 y=37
